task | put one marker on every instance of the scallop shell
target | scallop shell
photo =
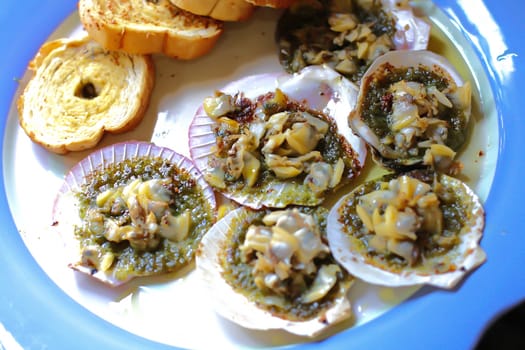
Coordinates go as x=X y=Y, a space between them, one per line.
x=412 y=32
x=403 y=59
x=306 y=35
x=318 y=87
x=66 y=208
x=456 y=263
x=236 y=307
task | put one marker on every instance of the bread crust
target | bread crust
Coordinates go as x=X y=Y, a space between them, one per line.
x=223 y=10
x=272 y=3
x=149 y=27
x=79 y=91
x=201 y=8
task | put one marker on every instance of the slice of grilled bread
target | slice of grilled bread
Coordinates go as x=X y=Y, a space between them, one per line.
x=223 y=10
x=149 y=26
x=78 y=90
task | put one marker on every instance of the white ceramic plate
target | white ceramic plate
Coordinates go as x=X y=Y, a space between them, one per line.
x=45 y=304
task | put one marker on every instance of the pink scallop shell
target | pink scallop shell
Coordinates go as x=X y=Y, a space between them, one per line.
x=319 y=87
x=65 y=210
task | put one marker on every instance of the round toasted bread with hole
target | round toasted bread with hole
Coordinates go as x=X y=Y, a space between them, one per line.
x=78 y=90
x=148 y=27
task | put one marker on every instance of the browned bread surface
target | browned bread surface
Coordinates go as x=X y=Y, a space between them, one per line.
x=223 y=10
x=271 y=3
x=78 y=91
x=147 y=27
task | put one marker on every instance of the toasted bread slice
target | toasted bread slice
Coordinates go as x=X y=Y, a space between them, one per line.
x=79 y=90
x=147 y=27
x=272 y=3
x=223 y=10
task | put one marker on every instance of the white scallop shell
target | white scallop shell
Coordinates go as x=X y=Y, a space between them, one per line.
x=318 y=87
x=466 y=256
x=412 y=32
x=66 y=207
x=236 y=307
x=401 y=59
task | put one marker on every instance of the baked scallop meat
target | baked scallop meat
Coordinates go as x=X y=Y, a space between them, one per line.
x=272 y=140
x=414 y=228
x=272 y=269
x=413 y=110
x=347 y=35
x=132 y=209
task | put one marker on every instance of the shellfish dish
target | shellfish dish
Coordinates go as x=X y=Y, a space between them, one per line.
x=412 y=228
x=274 y=270
x=347 y=35
x=133 y=209
x=283 y=142
x=283 y=188
x=414 y=110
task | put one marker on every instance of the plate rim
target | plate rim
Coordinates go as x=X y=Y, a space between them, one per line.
x=34 y=311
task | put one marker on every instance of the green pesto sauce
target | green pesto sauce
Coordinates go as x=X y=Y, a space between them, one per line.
x=375 y=111
x=304 y=29
x=238 y=274
x=168 y=256
x=455 y=210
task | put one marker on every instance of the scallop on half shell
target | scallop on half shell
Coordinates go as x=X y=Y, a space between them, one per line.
x=413 y=110
x=278 y=139
x=132 y=209
x=272 y=269
x=409 y=229
x=347 y=35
